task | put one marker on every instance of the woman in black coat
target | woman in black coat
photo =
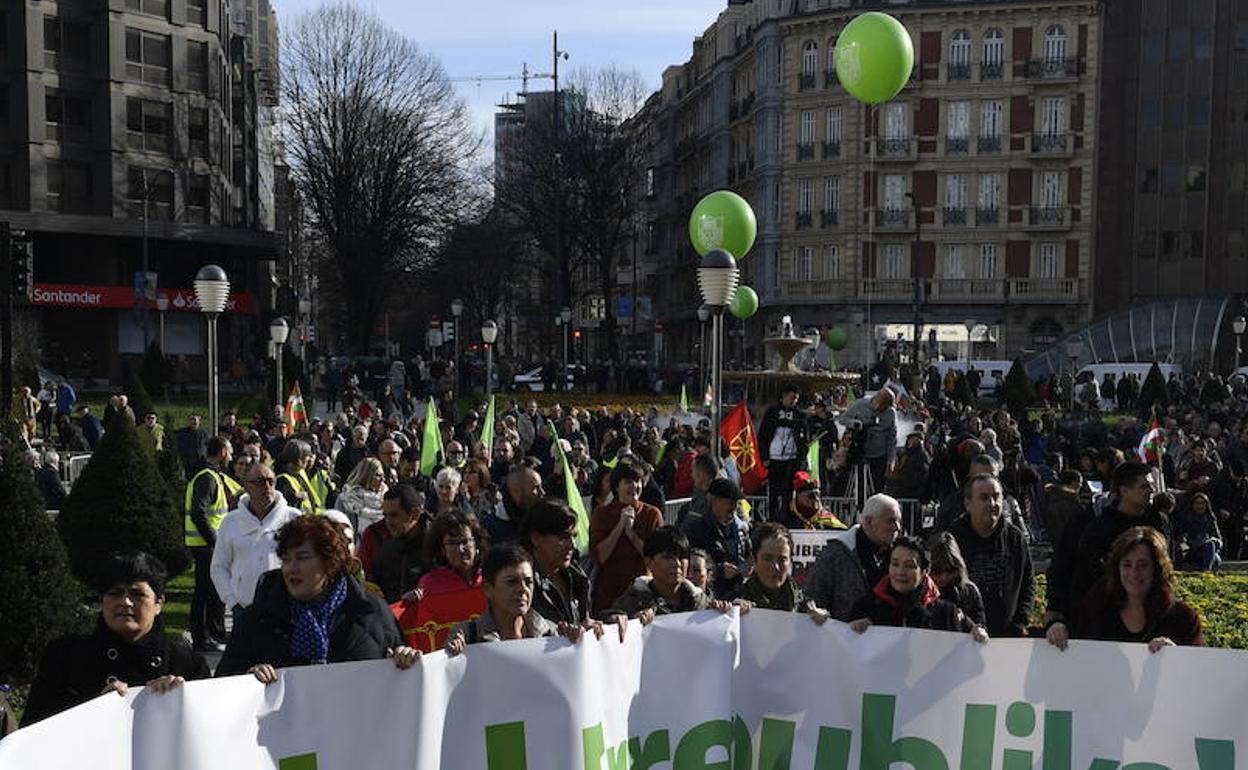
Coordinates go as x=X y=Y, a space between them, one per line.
x=312 y=610
x=129 y=645
x=950 y=575
x=907 y=596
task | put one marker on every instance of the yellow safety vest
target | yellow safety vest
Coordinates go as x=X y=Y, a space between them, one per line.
x=220 y=506
x=322 y=486
x=312 y=502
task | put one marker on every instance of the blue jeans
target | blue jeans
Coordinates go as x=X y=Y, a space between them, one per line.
x=1205 y=558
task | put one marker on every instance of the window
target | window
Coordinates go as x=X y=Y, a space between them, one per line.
x=153 y=7
x=1148 y=180
x=1194 y=244
x=810 y=58
x=68 y=118
x=954 y=264
x=805 y=195
x=1174 y=111
x=896 y=121
x=147 y=125
x=832 y=193
x=959 y=120
x=805 y=268
x=831 y=48
x=1241 y=35
x=147 y=57
x=650 y=182
x=776 y=208
x=1051 y=189
x=69 y=187
x=896 y=265
x=955 y=191
x=158 y=187
x=1177 y=44
x=1055 y=44
x=65 y=43
x=779 y=63
x=197 y=132
x=960 y=48
x=894 y=192
x=989 y=191
x=808 y=126
x=197 y=12
x=1195 y=178
x=197 y=198
x=988 y=260
x=994 y=47
x=1046 y=265
x=1053 y=116
x=832 y=262
x=197 y=66
x=990 y=117
x=833 y=125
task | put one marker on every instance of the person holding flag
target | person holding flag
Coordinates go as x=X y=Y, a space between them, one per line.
x=431 y=453
x=737 y=431
x=295 y=411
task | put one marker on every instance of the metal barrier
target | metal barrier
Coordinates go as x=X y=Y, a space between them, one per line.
x=72 y=465
x=758 y=508
x=672 y=507
x=916 y=518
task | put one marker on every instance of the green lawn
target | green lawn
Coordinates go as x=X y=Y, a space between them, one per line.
x=177 y=611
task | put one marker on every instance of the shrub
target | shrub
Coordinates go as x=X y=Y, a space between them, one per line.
x=121 y=502
x=1018 y=392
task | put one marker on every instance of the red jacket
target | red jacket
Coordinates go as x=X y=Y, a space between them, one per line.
x=682 y=485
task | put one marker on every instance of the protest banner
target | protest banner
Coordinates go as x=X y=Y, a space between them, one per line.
x=807 y=545
x=701 y=690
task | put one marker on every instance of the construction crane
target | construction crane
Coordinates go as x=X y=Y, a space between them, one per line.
x=524 y=77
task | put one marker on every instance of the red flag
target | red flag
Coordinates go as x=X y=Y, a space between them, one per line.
x=426 y=623
x=1151 y=445
x=738 y=432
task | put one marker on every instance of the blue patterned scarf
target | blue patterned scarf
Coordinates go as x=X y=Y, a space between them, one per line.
x=310 y=639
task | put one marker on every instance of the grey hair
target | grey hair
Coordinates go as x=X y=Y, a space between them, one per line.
x=448 y=476
x=878 y=503
x=51 y=457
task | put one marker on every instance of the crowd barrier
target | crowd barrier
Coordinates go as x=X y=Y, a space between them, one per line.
x=72 y=465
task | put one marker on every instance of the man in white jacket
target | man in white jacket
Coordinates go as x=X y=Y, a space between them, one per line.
x=247 y=540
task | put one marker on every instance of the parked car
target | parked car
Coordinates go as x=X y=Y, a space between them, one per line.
x=531 y=380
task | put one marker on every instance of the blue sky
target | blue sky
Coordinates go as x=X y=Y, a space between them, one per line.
x=497 y=37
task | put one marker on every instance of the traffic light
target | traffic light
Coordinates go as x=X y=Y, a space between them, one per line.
x=22 y=261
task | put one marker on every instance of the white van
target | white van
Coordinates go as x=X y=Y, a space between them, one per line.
x=991 y=373
x=1122 y=370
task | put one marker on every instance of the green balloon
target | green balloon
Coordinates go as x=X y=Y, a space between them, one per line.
x=744 y=303
x=723 y=220
x=836 y=337
x=874 y=57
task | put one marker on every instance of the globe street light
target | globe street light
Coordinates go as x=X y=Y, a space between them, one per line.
x=457 y=309
x=162 y=304
x=212 y=293
x=279 y=330
x=489 y=333
x=717 y=281
x=1238 y=325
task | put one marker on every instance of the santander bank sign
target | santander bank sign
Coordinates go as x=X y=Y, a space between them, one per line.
x=122 y=298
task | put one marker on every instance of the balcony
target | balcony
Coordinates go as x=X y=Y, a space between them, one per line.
x=823 y=290
x=955 y=71
x=1055 y=217
x=803 y=220
x=806 y=151
x=888 y=289
x=895 y=148
x=987 y=216
x=830 y=79
x=991 y=71
x=806 y=82
x=831 y=150
x=989 y=145
x=1050 y=144
x=967 y=290
x=957 y=145
x=895 y=219
x=955 y=216
x=1057 y=290
x=1054 y=68
x=829 y=218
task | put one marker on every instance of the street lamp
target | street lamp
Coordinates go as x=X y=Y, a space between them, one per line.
x=717 y=281
x=918 y=284
x=565 y=315
x=279 y=330
x=1238 y=325
x=970 y=325
x=457 y=309
x=162 y=304
x=305 y=323
x=1074 y=349
x=489 y=333
x=704 y=315
x=212 y=292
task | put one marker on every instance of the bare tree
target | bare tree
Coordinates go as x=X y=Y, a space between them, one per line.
x=378 y=144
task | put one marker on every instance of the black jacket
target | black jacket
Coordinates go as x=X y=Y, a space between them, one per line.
x=555 y=606
x=966 y=596
x=921 y=608
x=362 y=629
x=724 y=543
x=400 y=563
x=1000 y=566
x=776 y=416
x=75 y=669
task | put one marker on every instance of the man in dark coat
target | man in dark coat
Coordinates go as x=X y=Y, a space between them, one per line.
x=782 y=439
x=997 y=557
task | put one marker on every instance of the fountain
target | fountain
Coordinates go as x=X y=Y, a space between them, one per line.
x=763 y=387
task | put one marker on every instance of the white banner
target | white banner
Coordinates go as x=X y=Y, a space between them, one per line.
x=770 y=690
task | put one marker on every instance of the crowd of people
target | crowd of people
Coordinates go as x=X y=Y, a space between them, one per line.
x=314 y=539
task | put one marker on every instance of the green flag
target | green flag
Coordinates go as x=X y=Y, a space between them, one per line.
x=487 y=430
x=813 y=461
x=684 y=399
x=575 y=501
x=431 y=444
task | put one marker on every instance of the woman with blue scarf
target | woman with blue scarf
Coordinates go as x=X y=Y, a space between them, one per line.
x=312 y=610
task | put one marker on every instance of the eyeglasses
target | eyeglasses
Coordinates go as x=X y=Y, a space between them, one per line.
x=454 y=453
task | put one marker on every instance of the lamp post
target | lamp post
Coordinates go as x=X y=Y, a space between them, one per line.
x=457 y=309
x=970 y=325
x=918 y=284
x=489 y=333
x=279 y=330
x=305 y=323
x=717 y=281
x=704 y=315
x=1074 y=349
x=162 y=304
x=212 y=292
x=565 y=315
